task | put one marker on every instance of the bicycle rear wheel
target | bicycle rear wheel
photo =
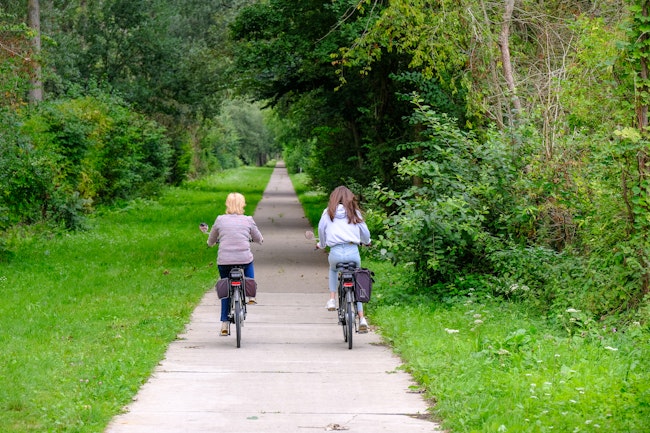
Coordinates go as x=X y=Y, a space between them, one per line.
x=239 y=314
x=341 y=313
x=349 y=319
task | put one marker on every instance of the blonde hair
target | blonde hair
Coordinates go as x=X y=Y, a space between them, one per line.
x=235 y=203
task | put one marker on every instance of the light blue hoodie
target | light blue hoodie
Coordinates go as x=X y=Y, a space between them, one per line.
x=340 y=231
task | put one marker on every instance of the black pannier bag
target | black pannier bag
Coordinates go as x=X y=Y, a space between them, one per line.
x=250 y=288
x=222 y=287
x=363 y=286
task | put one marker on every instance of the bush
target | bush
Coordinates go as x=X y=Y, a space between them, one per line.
x=102 y=150
x=60 y=158
x=438 y=226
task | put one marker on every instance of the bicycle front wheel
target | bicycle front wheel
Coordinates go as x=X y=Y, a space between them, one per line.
x=239 y=314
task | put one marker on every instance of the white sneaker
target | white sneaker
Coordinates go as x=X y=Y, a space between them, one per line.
x=331 y=305
x=363 y=325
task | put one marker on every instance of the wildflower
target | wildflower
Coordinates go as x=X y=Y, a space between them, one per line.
x=478 y=321
x=452 y=331
x=588 y=421
x=613 y=349
x=477 y=316
x=572 y=310
x=503 y=352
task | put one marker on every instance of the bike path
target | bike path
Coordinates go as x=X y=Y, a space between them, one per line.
x=293 y=372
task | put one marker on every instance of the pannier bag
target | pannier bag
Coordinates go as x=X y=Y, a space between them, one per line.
x=250 y=288
x=222 y=287
x=363 y=286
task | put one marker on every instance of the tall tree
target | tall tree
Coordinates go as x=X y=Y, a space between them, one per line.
x=34 y=22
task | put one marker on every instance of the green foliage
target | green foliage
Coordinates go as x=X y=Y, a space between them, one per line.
x=438 y=225
x=245 y=132
x=493 y=366
x=61 y=158
x=284 y=57
x=101 y=148
x=15 y=60
x=26 y=174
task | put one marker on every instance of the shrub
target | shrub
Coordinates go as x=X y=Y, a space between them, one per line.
x=101 y=149
x=59 y=158
x=439 y=224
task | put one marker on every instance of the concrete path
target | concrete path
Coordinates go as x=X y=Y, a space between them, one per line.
x=293 y=372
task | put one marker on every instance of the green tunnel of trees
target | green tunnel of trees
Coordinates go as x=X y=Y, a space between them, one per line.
x=495 y=144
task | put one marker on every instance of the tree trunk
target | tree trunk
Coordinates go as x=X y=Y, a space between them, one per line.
x=643 y=160
x=494 y=75
x=504 y=41
x=34 y=22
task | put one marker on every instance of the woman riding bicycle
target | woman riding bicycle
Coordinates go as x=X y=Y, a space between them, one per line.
x=343 y=229
x=234 y=232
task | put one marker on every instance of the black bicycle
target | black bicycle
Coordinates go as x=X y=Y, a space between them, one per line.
x=237 y=314
x=347 y=309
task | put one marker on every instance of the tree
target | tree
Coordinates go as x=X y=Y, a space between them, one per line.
x=34 y=22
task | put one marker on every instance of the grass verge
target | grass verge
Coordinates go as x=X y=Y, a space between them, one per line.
x=488 y=365
x=87 y=316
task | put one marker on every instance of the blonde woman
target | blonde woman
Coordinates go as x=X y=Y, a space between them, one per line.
x=234 y=232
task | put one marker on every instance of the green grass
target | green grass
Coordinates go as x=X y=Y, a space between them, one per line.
x=494 y=366
x=87 y=316
x=313 y=202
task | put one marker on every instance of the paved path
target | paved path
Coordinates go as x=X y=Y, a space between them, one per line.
x=293 y=373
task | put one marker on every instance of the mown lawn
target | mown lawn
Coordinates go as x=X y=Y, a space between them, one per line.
x=87 y=316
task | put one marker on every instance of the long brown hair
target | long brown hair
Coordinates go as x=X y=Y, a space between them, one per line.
x=342 y=195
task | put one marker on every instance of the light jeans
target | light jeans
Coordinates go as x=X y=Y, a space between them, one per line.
x=342 y=253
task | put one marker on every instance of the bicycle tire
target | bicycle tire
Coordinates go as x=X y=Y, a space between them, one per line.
x=341 y=313
x=238 y=316
x=349 y=319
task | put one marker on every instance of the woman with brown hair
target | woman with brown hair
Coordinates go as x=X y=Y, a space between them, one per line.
x=342 y=229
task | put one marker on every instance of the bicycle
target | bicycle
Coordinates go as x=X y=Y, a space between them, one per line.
x=347 y=302
x=237 y=295
x=347 y=307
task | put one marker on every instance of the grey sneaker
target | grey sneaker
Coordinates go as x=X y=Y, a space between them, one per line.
x=331 y=305
x=363 y=325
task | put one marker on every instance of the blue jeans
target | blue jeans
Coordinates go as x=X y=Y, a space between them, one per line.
x=224 y=272
x=342 y=253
